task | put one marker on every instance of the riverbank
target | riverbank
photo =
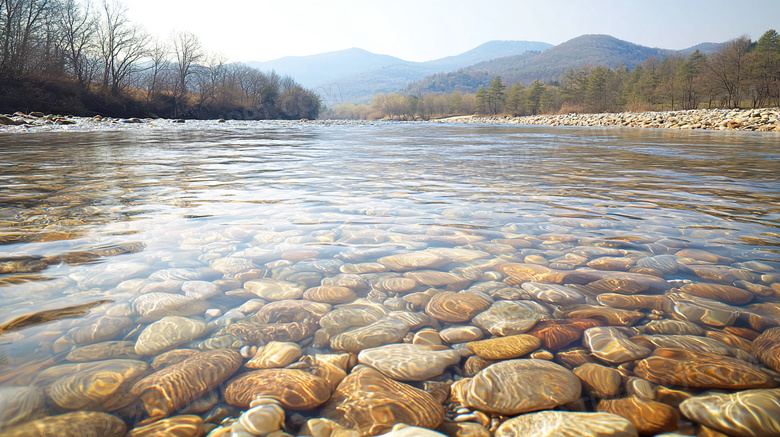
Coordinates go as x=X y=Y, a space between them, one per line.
x=762 y=120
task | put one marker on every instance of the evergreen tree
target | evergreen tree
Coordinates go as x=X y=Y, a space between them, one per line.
x=495 y=96
x=534 y=97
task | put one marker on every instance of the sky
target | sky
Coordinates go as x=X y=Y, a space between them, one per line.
x=262 y=30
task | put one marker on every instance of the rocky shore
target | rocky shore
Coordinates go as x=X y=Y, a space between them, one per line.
x=761 y=120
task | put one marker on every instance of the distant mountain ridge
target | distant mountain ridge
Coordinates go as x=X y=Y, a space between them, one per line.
x=585 y=50
x=356 y=74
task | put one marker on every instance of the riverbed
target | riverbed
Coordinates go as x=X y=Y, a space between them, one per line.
x=291 y=276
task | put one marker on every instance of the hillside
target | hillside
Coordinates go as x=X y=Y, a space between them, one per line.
x=603 y=50
x=355 y=75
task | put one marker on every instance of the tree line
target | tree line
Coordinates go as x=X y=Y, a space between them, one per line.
x=741 y=73
x=81 y=57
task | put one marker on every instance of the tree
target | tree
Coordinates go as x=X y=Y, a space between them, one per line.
x=188 y=51
x=688 y=73
x=21 y=22
x=481 y=103
x=534 y=97
x=495 y=97
x=669 y=84
x=729 y=68
x=159 y=60
x=515 y=101
x=122 y=45
x=764 y=69
x=77 y=27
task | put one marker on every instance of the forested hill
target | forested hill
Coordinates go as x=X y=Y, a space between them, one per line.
x=355 y=75
x=549 y=65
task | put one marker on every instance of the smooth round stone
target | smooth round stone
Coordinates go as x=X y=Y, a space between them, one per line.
x=701 y=370
x=355 y=282
x=690 y=343
x=178 y=385
x=275 y=354
x=519 y=273
x=435 y=278
x=103 y=351
x=649 y=417
x=294 y=389
x=184 y=274
x=200 y=289
x=168 y=333
x=568 y=424
x=254 y=330
x=362 y=268
x=20 y=404
x=617 y=285
x=701 y=310
x=410 y=362
x=172 y=357
x=703 y=255
x=633 y=302
x=666 y=264
x=153 y=306
x=747 y=413
x=610 y=344
x=612 y=263
x=553 y=293
x=372 y=403
x=186 y=425
x=263 y=418
x=458 y=255
x=461 y=334
x=330 y=294
x=71 y=425
x=510 y=317
x=504 y=348
x=104 y=387
x=557 y=334
x=604 y=381
x=767 y=348
x=464 y=429
x=427 y=337
x=285 y=311
x=384 y=331
x=101 y=329
x=719 y=292
x=612 y=316
x=451 y=307
x=397 y=285
x=233 y=266
x=413 y=261
x=274 y=289
x=520 y=386
x=351 y=316
x=672 y=327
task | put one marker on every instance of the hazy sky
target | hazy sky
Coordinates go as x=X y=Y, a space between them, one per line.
x=261 y=30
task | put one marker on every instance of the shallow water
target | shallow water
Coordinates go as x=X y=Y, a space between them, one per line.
x=87 y=218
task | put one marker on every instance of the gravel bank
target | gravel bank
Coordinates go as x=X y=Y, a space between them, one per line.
x=762 y=120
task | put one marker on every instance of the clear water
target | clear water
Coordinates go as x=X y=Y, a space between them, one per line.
x=186 y=195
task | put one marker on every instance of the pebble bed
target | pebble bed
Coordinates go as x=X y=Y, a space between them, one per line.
x=760 y=120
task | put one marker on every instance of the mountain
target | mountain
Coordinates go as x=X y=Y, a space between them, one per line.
x=355 y=75
x=487 y=51
x=315 y=69
x=593 y=50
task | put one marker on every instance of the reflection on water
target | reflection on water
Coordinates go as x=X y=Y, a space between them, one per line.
x=118 y=246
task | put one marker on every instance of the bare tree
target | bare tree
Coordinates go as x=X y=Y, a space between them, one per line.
x=77 y=30
x=728 y=67
x=159 y=64
x=20 y=21
x=188 y=51
x=122 y=45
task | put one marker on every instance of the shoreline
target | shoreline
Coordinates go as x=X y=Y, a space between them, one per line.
x=752 y=120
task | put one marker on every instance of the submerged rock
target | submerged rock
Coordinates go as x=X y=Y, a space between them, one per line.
x=520 y=386
x=745 y=413
x=293 y=389
x=410 y=362
x=564 y=423
x=71 y=425
x=371 y=403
